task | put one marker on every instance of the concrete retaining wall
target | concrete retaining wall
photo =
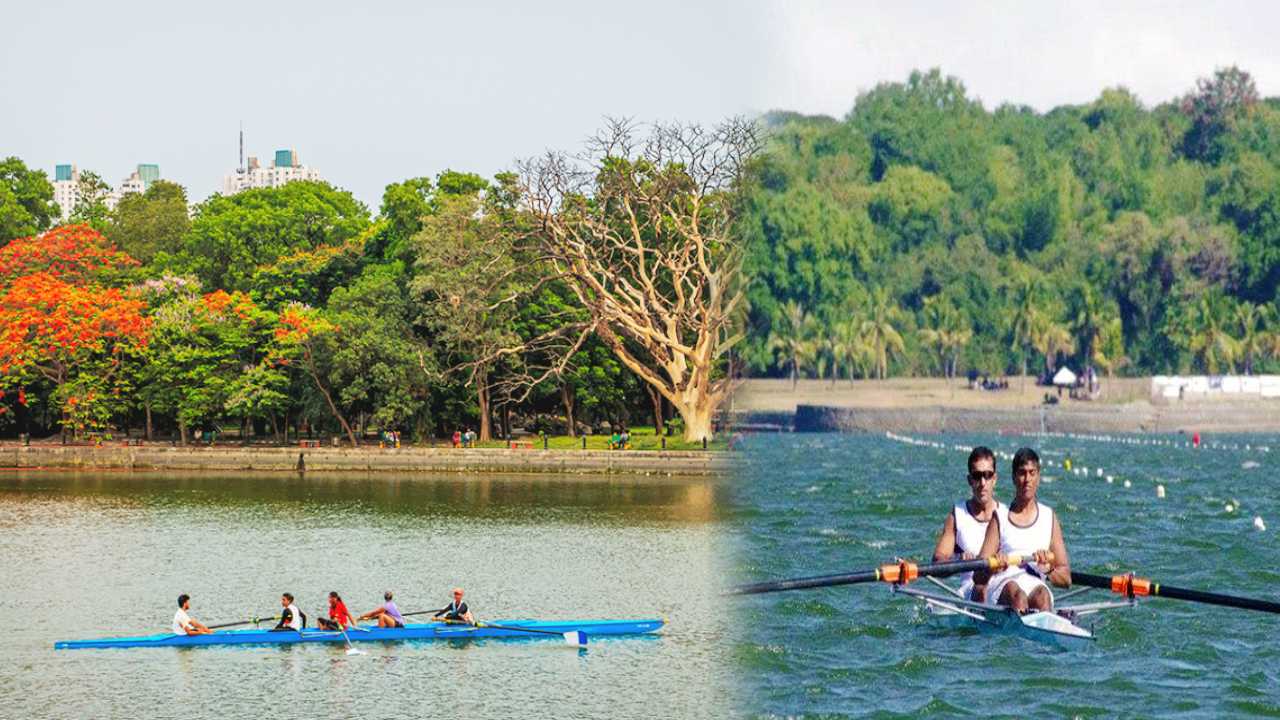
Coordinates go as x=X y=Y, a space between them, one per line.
x=1133 y=417
x=330 y=459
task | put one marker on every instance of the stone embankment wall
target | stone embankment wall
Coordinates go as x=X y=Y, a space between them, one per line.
x=1131 y=417
x=368 y=459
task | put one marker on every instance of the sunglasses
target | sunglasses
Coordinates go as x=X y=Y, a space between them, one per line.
x=982 y=474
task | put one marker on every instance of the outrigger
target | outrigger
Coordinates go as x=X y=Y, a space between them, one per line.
x=1058 y=627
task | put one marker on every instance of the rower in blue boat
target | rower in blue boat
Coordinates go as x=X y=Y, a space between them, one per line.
x=184 y=624
x=457 y=610
x=339 y=616
x=1029 y=528
x=291 y=618
x=965 y=528
x=387 y=614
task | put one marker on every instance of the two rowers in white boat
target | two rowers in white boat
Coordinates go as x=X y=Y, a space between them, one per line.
x=982 y=527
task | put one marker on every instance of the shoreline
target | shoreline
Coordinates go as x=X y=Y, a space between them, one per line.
x=326 y=460
x=935 y=405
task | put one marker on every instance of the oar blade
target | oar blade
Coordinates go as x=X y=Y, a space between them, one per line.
x=576 y=638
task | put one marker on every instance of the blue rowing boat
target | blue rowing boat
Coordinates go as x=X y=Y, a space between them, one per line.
x=527 y=629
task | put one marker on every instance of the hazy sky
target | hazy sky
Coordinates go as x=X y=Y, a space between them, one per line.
x=373 y=93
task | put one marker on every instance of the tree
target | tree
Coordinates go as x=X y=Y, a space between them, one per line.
x=91 y=201
x=77 y=254
x=793 y=330
x=1203 y=329
x=851 y=349
x=1215 y=107
x=1251 y=325
x=879 y=330
x=26 y=200
x=1025 y=311
x=151 y=222
x=470 y=276
x=73 y=337
x=644 y=233
x=305 y=335
x=1051 y=338
x=232 y=236
x=946 y=332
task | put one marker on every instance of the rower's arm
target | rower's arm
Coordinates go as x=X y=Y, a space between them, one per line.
x=1060 y=573
x=990 y=546
x=945 y=549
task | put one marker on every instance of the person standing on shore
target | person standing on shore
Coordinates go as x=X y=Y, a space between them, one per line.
x=965 y=528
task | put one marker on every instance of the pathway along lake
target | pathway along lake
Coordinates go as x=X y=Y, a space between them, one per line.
x=817 y=504
x=99 y=554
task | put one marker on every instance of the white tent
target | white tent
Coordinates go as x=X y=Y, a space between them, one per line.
x=1064 y=376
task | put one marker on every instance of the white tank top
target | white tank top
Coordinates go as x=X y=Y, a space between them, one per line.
x=1016 y=540
x=295 y=620
x=970 y=533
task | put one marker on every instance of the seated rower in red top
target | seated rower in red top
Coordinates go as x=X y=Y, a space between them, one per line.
x=339 y=617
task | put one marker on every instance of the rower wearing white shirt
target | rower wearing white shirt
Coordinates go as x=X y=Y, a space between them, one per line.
x=291 y=618
x=184 y=624
x=1027 y=527
x=965 y=528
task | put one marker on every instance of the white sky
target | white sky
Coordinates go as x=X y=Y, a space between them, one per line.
x=377 y=93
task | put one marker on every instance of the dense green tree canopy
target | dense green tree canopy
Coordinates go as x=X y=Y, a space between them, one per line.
x=1091 y=234
x=26 y=200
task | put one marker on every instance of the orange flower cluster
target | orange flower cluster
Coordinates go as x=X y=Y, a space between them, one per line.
x=219 y=302
x=70 y=252
x=45 y=321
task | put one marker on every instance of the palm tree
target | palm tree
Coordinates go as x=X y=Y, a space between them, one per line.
x=849 y=348
x=1051 y=338
x=789 y=337
x=945 y=332
x=1022 y=321
x=878 y=330
x=1087 y=319
x=1109 y=354
x=1204 y=333
x=1252 y=321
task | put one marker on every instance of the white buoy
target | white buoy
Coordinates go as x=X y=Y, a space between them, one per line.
x=1229 y=508
x=1160 y=491
x=1110 y=478
x=1257 y=522
x=1099 y=472
x=1128 y=484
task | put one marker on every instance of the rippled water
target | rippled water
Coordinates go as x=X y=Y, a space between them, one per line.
x=829 y=503
x=101 y=554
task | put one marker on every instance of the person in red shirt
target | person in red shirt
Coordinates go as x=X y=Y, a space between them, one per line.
x=339 y=617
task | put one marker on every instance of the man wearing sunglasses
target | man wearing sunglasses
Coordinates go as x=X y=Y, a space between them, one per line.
x=965 y=528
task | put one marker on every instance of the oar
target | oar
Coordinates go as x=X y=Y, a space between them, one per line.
x=576 y=638
x=254 y=621
x=1131 y=586
x=896 y=573
x=423 y=612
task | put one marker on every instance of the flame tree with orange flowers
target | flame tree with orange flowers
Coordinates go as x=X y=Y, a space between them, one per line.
x=62 y=324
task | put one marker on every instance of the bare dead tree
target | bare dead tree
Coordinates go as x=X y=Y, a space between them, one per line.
x=641 y=229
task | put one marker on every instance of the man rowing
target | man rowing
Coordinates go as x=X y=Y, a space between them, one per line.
x=456 y=610
x=184 y=624
x=1026 y=527
x=965 y=528
x=291 y=618
x=339 y=616
x=387 y=613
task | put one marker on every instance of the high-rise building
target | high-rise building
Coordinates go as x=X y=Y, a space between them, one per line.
x=149 y=174
x=66 y=186
x=284 y=169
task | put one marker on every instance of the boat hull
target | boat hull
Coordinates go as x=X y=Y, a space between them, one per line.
x=411 y=631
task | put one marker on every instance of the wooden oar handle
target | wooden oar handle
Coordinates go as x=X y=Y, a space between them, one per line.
x=1000 y=562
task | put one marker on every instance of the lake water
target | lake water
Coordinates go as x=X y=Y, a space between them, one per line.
x=816 y=504
x=101 y=554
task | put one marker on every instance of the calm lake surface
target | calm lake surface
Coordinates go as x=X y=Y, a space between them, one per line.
x=817 y=504
x=102 y=554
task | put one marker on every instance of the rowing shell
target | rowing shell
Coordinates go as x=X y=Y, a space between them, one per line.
x=1058 y=628
x=411 y=631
